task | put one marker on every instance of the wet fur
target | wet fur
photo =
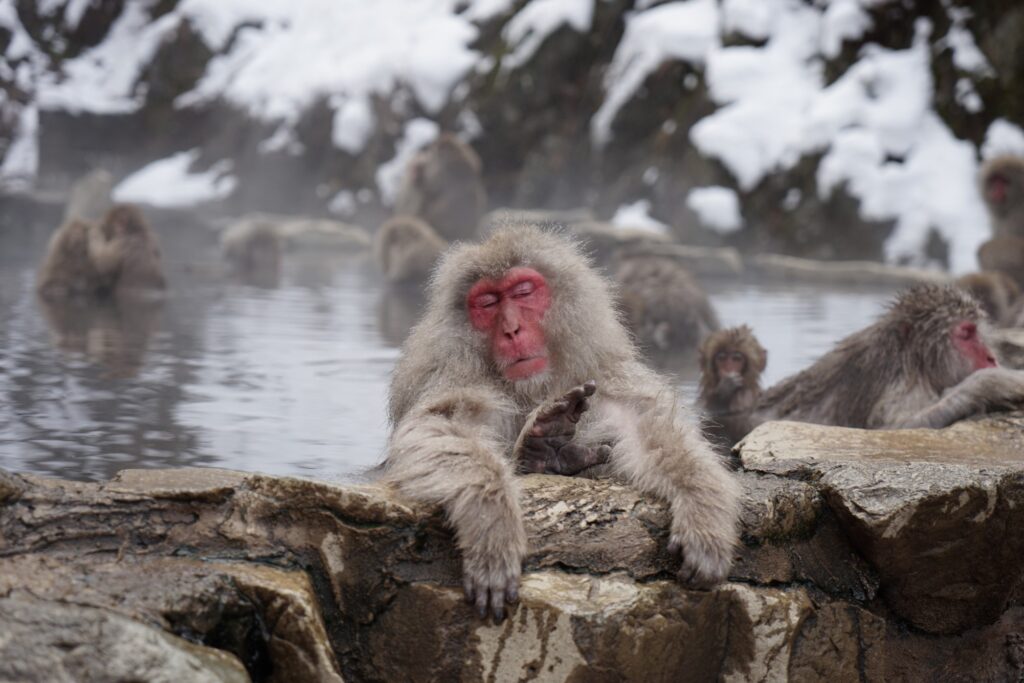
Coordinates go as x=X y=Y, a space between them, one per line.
x=902 y=371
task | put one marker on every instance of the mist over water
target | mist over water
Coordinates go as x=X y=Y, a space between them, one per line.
x=286 y=377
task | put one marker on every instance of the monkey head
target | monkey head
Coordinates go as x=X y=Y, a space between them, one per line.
x=941 y=332
x=1002 y=179
x=510 y=312
x=732 y=353
x=123 y=220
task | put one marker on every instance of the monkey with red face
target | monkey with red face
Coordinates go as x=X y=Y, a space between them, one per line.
x=731 y=363
x=925 y=363
x=521 y=362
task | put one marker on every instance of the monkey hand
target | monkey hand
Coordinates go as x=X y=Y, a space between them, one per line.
x=545 y=444
x=490 y=575
x=727 y=387
x=706 y=556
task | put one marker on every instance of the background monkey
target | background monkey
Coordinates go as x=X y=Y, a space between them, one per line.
x=1001 y=181
x=1004 y=255
x=997 y=293
x=116 y=256
x=510 y=325
x=925 y=363
x=731 y=363
x=406 y=249
x=664 y=306
x=443 y=187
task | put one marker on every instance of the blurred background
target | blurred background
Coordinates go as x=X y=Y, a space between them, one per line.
x=827 y=129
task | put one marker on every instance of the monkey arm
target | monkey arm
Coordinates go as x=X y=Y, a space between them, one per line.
x=444 y=451
x=662 y=453
x=983 y=390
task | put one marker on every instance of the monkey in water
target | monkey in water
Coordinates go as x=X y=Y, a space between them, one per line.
x=406 y=249
x=664 y=306
x=731 y=363
x=925 y=363
x=520 y=354
x=1004 y=254
x=443 y=187
x=253 y=249
x=997 y=293
x=1001 y=181
x=119 y=255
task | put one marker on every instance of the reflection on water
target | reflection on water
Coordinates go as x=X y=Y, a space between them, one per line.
x=285 y=379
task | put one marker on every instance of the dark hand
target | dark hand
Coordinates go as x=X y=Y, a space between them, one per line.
x=548 y=447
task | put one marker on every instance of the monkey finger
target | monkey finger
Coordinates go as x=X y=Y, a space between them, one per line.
x=468 y=589
x=674 y=546
x=481 y=602
x=512 y=593
x=498 y=604
x=589 y=387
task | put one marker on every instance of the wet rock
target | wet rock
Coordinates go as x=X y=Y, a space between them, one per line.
x=920 y=505
x=859 y=560
x=59 y=642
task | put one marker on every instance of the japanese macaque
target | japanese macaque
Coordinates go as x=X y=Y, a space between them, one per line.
x=442 y=186
x=118 y=255
x=1001 y=181
x=253 y=249
x=664 y=306
x=731 y=363
x=1005 y=255
x=996 y=292
x=89 y=199
x=406 y=249
x=925 y=363
x=497 y=376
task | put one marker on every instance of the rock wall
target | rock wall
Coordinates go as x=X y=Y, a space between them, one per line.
x=871 y=556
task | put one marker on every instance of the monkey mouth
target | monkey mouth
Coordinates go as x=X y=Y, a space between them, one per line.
x=526 y=367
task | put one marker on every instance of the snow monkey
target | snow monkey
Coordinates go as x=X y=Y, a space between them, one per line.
x=442 y=186
x=406 y=249
x=664 y=306
x=731 y=363
x=1005 y=255
x=924 y=363
x=1001 y=181
x=519 y=338
x=997 y=293
x=118 y=255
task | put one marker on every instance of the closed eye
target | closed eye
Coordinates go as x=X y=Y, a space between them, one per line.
x=522 y=289
x=485 y=301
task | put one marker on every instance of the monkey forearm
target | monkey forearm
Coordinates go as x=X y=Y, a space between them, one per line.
x=981 y=391
x=460 y=466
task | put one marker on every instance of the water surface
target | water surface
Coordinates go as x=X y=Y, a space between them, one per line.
x=282 y=377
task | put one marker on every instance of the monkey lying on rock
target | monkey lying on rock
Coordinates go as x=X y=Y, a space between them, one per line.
x=520 y=356
x=925 y=363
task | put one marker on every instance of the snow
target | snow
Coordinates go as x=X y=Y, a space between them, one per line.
x=1002 y=137
x=102 y=80
x=637 y=216
x=343 y=50
x=74 y=11
x=718 y=208
x=353 y=125
x=169 y=183
x=418 y=134
x=530 y=27
x=679 y=30
x=20 y=164
x=966 y=54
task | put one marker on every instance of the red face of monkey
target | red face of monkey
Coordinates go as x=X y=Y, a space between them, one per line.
x=509 y=311
x=970 y=344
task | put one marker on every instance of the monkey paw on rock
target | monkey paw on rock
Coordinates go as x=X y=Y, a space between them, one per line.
x=706 y=559
x=490 y=579
x=546 y=443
